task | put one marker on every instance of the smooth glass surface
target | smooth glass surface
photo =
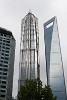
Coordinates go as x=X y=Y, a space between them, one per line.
x=54 y=66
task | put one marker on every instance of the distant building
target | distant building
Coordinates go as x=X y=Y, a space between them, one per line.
x=54 y=64
x=7 y=53
x=29 y=49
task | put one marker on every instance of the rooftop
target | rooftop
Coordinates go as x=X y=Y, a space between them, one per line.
x=4 y=31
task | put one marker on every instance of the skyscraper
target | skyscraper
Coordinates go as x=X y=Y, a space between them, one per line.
x=7 y=52
x=29 y=49
x=54 y=64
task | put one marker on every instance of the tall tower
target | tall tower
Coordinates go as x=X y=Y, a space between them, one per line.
x=54 y=65
x=29 y=49
x=7 y=52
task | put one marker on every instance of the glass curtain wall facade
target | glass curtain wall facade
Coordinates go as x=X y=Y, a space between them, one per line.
x=54 y=65
x=7 y=53
x=29 y=48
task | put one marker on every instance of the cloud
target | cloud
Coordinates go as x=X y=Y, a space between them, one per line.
x=59 y=5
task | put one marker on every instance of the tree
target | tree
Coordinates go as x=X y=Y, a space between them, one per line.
x=33 y=90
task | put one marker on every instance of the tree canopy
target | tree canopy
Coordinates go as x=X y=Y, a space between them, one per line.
x=33 y=90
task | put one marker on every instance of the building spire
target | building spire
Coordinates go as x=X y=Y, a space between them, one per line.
x=30 y=11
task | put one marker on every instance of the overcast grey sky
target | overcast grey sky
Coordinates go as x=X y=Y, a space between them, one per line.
x=11 y=13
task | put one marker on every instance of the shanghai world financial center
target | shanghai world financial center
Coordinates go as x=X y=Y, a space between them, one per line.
x=54 y=65
x=29 y=54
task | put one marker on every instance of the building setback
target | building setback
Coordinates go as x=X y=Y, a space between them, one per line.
x=54 y=65
x=7 y=53
x=29 y=49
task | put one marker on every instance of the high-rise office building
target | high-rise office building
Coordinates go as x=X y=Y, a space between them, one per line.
x=7 y=52
x=29 y=49
x=54 y=64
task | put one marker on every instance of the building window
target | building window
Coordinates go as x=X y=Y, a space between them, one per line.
x=1 y=64
x=7 y=48
x=0 y=68
x=1 y=61
x=2 y=54
x=0 y=73
x=0 y=39
x=4 y=41
x=5 y=65
x=3 y=86
x=0 y=43
x=3 y=50
x=5 y=69
x=0 y=77
x=3 y=91
x=6 y=54
x=2 y=95
x=2 y=57
x=4 y=73
x=7 y=51
x=9 y=36
x=7 y=44
x=6 y=62
x=5 y=35
x=6 y=58
x=3 y=47
x=8 y=41
x=1 y=34
x=4 y=82
x=4 y=77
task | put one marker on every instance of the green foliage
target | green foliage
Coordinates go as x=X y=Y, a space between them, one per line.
x=32 y=90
